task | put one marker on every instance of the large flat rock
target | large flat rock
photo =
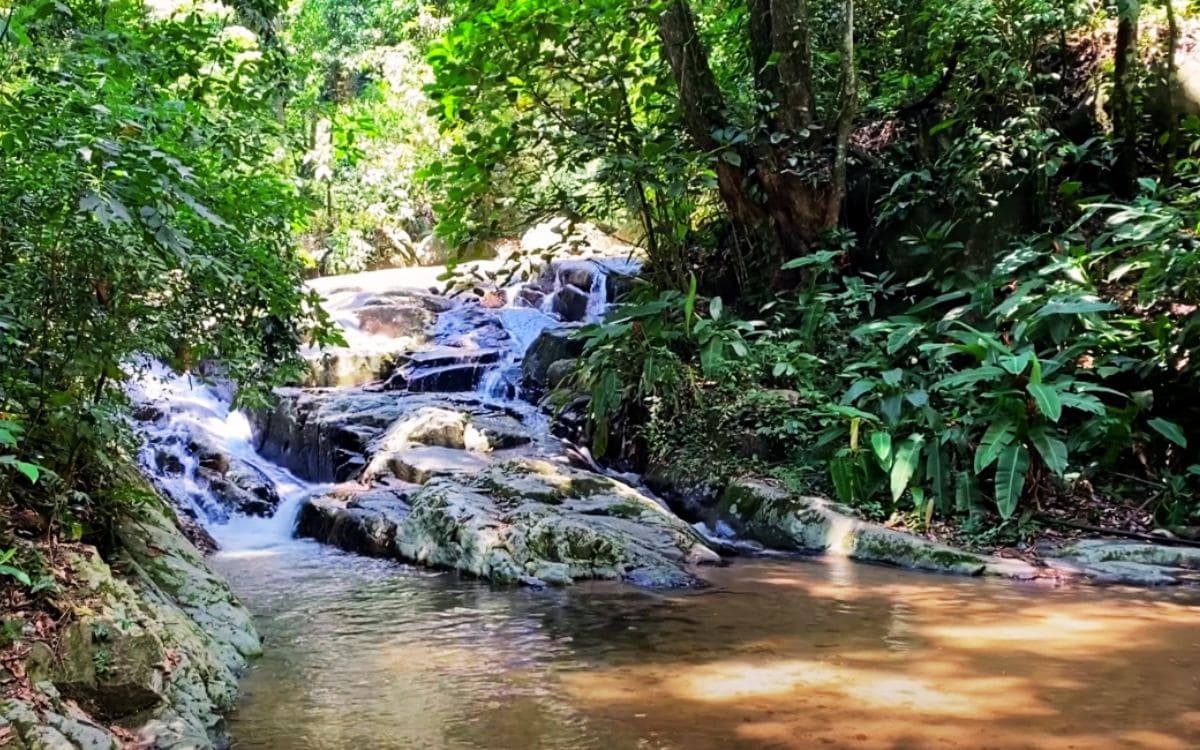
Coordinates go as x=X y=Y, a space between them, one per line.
x=518 y=521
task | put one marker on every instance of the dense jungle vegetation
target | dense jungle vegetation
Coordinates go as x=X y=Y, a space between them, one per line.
x=935 y=257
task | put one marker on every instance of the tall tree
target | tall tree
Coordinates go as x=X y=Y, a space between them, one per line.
x=765 y=190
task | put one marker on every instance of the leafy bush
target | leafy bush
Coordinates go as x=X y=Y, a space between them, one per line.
x=145 y=211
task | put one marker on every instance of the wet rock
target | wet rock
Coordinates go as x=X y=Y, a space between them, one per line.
x=395 y=321
x=444 y=356
x=168 y=463
x=777 y=518
x=571 y=303
x=428 y=425
x=420 y=464
x=340 y=368
x=1127 y=562
x=362 y=522
x=485 y=434
x=694 y=499
x=530 y=296
x=236 y=499
x=617 y=285
x=516 y=520
x=559 y=371
x=1093 y=551
x=235 y=484
x=552 y=345
x=448 y=379
x=323 y=435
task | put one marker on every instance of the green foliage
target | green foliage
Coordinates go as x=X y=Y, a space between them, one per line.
x=145 y=212
x=562 y=107
x=358 y=125
x=11 y=570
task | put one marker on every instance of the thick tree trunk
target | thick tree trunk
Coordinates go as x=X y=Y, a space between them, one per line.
x=1124 y=106
x=766 y=200
x=703 y=109
x=766 y=72
x=791 y=40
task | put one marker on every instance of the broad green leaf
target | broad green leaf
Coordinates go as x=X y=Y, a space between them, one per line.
x=1170 y=430
x=1016 y=364
x=1048 y=401
x=1052 y=450
x=970 y=377
x=715 y=307
x=1084 y=305
x=17 y=573
x=995 y=440
x=1010 y=479
x=893 y=377
x=1083 y=402
x=918 y=398
x=881 y=445
x=857 y=389
x=31 y=472
x=905 y=465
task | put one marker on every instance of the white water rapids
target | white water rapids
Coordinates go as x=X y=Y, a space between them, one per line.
x=193 y=417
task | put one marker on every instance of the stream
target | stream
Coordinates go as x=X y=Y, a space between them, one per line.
x=775 y=652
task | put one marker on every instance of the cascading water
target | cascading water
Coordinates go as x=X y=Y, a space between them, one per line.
x=192 y=424
x=201 y=452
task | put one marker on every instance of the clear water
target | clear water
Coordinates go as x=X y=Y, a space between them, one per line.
x=776 y=654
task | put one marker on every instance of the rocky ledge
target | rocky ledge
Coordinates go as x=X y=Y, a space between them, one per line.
x=154 y=649
x=524 y=520
x=775 y=517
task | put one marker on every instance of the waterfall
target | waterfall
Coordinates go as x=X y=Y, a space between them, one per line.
x=201 y=452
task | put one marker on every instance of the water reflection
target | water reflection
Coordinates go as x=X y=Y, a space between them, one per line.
x=777 y=654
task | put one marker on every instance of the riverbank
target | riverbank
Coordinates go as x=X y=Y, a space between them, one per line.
x=144 y=650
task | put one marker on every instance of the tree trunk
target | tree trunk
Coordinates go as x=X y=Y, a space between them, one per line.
x=1170 y=82
x=765 y=198
x=703 y=109
x=845 y=122
x=1124 y=109
x=791 y=40
x=766 y=71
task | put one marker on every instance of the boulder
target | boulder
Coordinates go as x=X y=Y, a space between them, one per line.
x=552 y=345
x=427 y=425
x=358 y=521
x=571 y=304
x=487 y=433
x=432 y=251
x=559 y=371
x=157 y=647
x=777 y=518
x=395 y=320
x=342 y=368
x=693 y=498
x=323 y=435
x=448 y=379
x=540 y=522
x=420 y=464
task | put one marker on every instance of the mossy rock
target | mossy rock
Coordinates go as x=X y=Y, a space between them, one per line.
x=776 y=517
x=517 y=520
